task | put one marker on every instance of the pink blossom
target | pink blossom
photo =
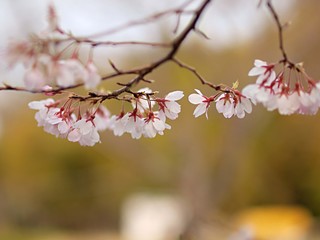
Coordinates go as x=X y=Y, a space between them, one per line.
x=92 y=79
x=52 y=19
x=34 y=79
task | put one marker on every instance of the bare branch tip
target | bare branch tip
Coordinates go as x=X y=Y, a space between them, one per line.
x=113 y=66
x=201 y=33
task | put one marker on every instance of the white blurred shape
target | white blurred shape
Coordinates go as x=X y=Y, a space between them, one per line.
x=148 y=217
x=244 y=233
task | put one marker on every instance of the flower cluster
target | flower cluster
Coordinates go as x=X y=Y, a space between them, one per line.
x=53 y=65
x=143 y=120
x=63 y=122
x=229 y=103
x=67 y=121
x=278 y=90
x=48 y=65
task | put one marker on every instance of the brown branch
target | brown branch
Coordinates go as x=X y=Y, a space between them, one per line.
x=7 y=87
x=142 y=72
x=179 y=11
x=194 y=71
x=111 y=43
x=176 y=44
x=280 y=32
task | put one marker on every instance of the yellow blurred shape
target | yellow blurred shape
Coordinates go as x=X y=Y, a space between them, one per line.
x=275 y=222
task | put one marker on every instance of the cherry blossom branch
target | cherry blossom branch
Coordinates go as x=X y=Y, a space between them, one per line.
x=283 y=85
x=53 y=66
x=139 y=72
x=142 y=72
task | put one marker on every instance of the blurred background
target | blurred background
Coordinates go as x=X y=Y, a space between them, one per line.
x=256 y=178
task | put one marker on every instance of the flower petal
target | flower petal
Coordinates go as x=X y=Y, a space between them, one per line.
x=200 y=109
x=260 y=63
x=174 y=96
x=195 y=98
x=74 y=136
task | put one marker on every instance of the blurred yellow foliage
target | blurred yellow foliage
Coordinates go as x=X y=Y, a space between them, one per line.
x=276 y=222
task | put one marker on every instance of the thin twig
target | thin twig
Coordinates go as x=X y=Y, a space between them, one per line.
x=179 y=10
x=195 y=72
x=175 y=47
x=142 y=72
x=111 y=43
x=280 y=32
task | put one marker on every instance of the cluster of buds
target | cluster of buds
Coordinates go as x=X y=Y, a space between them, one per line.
x=279 y=90
x=66 y=121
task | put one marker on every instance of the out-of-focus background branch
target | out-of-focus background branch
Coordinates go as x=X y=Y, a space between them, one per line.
x=221 y=169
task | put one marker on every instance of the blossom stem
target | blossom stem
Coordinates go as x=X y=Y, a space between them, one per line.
x=280 y=27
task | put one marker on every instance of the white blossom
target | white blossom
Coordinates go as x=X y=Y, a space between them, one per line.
x=225 y=105
x=288 y=104
x=102 y=118
x=135 y=126
x=265 y=72
x=154 y=125
x=143 y=103
x=169 y=106
x=235 y=104
x=118 y=124
x=53 y=119
x=243 y=106
x=202 y=101
x=308 y=104
x=84 y=132
x=43 y=104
